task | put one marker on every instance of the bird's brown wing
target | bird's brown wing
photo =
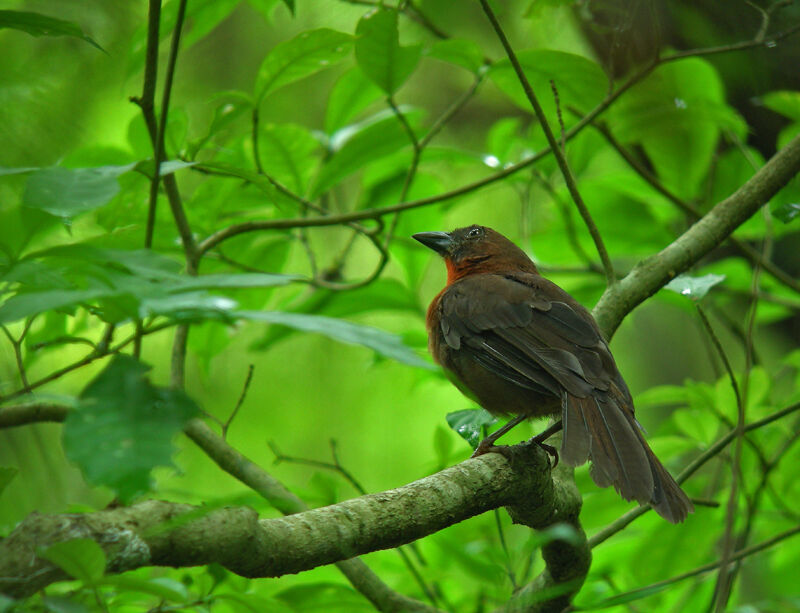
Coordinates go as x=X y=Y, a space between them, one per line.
x=529 y=332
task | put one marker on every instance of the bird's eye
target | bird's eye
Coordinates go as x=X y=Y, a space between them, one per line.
x=474 y=233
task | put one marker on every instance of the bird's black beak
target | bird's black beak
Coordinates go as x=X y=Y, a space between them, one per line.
x=440 y=242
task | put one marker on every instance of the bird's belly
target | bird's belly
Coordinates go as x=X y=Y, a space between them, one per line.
x=498 y=395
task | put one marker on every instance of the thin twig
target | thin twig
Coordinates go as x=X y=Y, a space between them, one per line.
x=332 y=220
x=569 y=179
x=730 y=513
x=239 y=403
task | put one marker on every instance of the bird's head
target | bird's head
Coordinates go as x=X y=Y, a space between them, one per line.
x=475 y=250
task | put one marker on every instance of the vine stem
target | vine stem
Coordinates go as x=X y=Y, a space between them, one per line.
x=569 y=178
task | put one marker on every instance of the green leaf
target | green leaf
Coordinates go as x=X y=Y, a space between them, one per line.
x=694 y=287
x=82 y=559
x=787 y=212
x=62 y=604
x=580 y=82
x=239 y=280
x=787 y=103
x=254 y=603
x=303 y=55
x=461 y=52
x=358 y=145
x=7 y=473
x=662 y=395
x=323 y=596
x=162 y=587
x=124 y=427
x=378 y=50
x=32 y=303
x=469 y=424
x=287 y=154
x=37 y=24
x=383 y=343
x=351 y=94
x=66 y=192
x=676 y=114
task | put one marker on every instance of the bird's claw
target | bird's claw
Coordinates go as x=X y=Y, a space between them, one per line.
x=488 y=446
x=551 y=451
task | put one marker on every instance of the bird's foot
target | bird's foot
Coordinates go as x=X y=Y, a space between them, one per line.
x=487 y=446
x=551 y=451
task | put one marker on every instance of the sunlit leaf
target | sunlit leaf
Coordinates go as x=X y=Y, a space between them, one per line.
x=383 y=343
x=676 y=114
x=580 y=82
x=378 y=51
x=66 y=192
x=356 y=146
x=469 y=424
x=162 y=587
x=302 y=56
x=694 y=287
x=460 y=52
x=787 y=212
x=7 y=473
x=81 y=558
x=125 y=427
x=37 y=24
x=787 y=103
x=287 y=154
x=351 y=94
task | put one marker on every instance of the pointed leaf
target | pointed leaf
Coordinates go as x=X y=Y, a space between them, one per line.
x=379 y=341
x=356 y=146
x=303 y=55
x=378 y=51
x=37 y=24
x=82 y=559
x=694 y=287
x=469 y=424
x=7 y=473
x=461 y=52
x=125 y=427
x=66 y=192
x=351 y=94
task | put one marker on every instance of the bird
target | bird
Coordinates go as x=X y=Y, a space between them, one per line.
x=521 y=345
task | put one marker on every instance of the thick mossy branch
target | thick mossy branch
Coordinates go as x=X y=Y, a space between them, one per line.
x=169 y=534
x=650 y=275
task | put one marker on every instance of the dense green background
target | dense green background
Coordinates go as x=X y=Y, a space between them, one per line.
x=65 y=103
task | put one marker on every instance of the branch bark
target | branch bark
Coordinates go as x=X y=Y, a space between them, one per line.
x=171 y=534
x=650 y=275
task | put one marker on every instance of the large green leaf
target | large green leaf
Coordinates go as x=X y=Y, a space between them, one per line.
x=383 y=343
x=37 y=24
x=358 y=145
x=80 y=558
x=288 y=154
x=676 y=115
x=787 y=103
x=128 y=284
x=378 y=51
x=469 y=424
x=694 y=287
x=460 y=52
x=124 y=427
x=351 y=94
x=581 y=83
x=303 y=55
x=66 y=192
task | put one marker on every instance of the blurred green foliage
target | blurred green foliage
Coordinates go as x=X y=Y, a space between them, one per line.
x=282 y=111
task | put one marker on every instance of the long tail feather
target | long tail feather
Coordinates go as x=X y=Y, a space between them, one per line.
x=602 y=428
